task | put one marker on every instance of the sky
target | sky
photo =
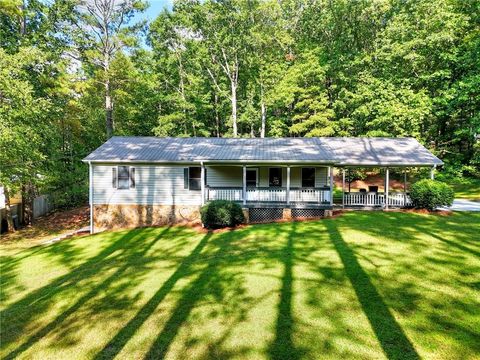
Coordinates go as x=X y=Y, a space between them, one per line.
x=155 y=8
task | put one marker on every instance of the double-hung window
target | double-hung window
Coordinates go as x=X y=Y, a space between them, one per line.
x=275 y=177
x=308 y=177
x=123 y=177
x=192 y=177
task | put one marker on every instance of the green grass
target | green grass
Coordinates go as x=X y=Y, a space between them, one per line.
x=467 y=188
x=366 y=285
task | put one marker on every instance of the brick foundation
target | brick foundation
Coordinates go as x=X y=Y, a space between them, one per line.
x=130 y=216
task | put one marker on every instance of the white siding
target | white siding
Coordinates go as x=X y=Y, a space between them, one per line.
x=231 y=176
x=154 y=185
x=226 y=176
x=321 y=177
x=164 y=185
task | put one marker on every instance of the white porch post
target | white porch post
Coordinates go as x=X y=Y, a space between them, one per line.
x=288 y=184
x=330 y=172
x=387 y=181
x=343 y=188
x=202 y=182
x=405 y=187
x=432 y=172
x=90 y=194
x=244 y=189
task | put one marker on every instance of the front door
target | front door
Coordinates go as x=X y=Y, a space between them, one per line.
x=252 y=177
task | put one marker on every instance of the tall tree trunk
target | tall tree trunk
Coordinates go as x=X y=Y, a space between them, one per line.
x=28 y=195
x=264 y=118
x=23 y=18
x=217 y=119
x=8 y=211
x=234 y=106
x=108 y=109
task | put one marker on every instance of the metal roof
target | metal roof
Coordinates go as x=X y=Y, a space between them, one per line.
x=341 y=151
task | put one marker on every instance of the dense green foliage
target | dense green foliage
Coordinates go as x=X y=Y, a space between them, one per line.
x=231 y=68
x=431 y=194
x=221 y=213
x=339 y=288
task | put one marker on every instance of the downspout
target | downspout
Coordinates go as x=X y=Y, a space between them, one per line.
x=90 y=194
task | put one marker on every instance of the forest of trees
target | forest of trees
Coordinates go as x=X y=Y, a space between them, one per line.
x=73 y=73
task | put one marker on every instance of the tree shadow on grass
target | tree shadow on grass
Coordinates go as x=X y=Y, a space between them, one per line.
x=95 y=290
x=123 y=336
x=197 y=289
x=283 y=346
x=389 y=333
x=20 y=314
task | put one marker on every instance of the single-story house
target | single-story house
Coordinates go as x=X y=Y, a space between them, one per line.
x=140 y=181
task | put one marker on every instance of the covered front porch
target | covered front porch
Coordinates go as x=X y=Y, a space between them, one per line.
x=299 y=186
x=371 y=197
x=272 y=185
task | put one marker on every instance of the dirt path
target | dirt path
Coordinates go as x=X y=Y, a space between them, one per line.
x=46 y=227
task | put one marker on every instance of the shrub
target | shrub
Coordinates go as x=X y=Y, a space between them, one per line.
x=221 y=213
x=430 y=194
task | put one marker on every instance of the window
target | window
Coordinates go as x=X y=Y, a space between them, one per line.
x=192 y=178
x=123 y=177
x=308 y=177
x=252 y=177
x=275 y=177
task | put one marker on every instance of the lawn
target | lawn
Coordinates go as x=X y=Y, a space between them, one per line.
x=467 y=188
x=365 y=285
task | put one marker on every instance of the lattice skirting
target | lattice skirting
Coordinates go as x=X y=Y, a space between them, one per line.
x=307 y=213
x=262 y=215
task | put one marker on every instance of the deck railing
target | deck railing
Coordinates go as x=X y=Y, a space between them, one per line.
x=395 y=199
x=309 y=195
x=269 y=194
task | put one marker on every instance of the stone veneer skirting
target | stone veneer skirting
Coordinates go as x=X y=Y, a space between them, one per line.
x=130 y=216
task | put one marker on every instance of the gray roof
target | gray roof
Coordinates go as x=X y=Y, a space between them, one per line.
x=338 y=151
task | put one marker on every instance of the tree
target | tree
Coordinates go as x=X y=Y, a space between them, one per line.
x=103 y=31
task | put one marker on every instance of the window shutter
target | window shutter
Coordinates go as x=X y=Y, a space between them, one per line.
x=114 y=177
x=132 y=178
x=185 y=178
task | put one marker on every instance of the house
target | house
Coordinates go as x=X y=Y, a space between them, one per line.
x=140 y=181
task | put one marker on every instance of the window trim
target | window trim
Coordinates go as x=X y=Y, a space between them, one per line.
x=314 y=176
x=190 y=178
x=132 y=182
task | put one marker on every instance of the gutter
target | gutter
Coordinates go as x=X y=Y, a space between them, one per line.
x=242 y=162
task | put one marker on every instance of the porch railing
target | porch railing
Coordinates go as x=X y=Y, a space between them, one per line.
x=231 y=193
x=395 y=199
x=309 y=195
x=269 y=194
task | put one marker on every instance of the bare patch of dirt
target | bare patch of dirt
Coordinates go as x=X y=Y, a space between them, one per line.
x=44 y=228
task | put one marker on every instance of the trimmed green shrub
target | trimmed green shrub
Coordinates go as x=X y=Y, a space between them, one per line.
x=221 y=213
x=430 y=194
